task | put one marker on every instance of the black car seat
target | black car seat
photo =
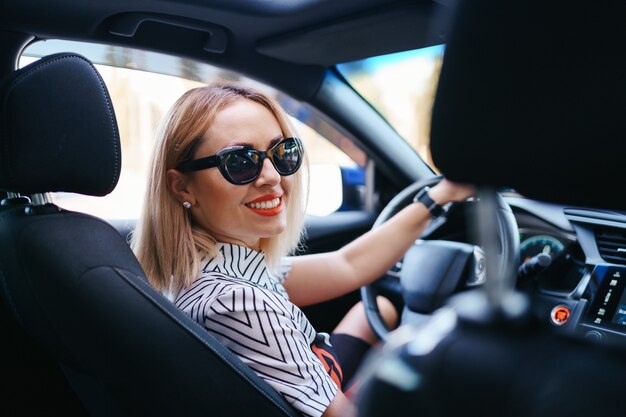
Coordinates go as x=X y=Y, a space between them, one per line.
x=72 y=282
x=28 y=371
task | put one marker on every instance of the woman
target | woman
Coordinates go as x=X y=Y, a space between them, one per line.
x=224 y=207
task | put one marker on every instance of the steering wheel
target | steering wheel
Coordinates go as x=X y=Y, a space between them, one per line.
x=432 y=270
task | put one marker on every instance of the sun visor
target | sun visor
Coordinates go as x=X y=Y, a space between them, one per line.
x=532 y=96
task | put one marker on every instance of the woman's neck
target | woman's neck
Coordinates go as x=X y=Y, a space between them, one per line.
x=252 y=244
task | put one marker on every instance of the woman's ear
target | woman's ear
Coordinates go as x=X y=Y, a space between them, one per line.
x=177 y=184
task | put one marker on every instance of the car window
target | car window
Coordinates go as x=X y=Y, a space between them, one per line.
x=143 y=85
x=401 y=86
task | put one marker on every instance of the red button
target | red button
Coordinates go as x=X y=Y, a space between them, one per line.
x=559 y=315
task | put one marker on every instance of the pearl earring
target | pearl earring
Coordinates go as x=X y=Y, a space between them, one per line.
x=187 y=205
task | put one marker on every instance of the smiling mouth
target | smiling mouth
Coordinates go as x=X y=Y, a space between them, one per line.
x=265 y=205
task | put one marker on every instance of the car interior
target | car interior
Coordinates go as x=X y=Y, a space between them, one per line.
x=512 y=305
x=495 y=355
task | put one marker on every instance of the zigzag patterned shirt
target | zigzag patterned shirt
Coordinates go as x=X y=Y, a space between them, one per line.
x=247 y=308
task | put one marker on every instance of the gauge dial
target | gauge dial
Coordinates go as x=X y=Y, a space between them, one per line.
x=540 y=244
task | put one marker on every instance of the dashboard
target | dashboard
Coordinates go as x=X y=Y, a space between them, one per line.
x=581 y=289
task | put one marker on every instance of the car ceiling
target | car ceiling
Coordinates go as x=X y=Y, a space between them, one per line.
x=307 y=36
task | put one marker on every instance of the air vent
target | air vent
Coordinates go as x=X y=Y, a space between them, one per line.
x=612 y=244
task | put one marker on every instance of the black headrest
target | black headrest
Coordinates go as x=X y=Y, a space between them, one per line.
x=532 y=96
x=58 y=131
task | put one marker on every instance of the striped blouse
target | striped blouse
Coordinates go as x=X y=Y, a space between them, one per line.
x=247 y=308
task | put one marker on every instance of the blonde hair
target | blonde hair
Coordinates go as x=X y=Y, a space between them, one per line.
x=167 y=243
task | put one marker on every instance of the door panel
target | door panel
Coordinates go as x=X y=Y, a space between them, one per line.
x=325 y=234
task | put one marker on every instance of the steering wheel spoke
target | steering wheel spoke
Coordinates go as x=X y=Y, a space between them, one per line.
x=433 y=271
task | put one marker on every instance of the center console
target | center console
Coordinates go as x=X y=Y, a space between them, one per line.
x=606 y=317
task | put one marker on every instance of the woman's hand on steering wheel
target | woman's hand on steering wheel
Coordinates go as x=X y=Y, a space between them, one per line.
x=447 y=191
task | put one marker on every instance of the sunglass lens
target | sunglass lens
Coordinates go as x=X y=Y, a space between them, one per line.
x=287 y=156
x=242 y=166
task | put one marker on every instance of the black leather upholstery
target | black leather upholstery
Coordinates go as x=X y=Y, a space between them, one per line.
x=74 y=285
x=532 y=96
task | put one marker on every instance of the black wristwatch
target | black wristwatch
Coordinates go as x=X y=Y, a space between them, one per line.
x=434 y=209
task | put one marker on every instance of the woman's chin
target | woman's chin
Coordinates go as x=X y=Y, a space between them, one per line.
x=273 y=232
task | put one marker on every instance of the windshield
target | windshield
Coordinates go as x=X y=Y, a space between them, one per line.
x=401 y=87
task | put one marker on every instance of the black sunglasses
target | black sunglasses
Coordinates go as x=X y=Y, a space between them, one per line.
x=241 y=165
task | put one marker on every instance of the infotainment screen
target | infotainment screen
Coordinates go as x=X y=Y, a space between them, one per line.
x=620 y=313
x=608 y=309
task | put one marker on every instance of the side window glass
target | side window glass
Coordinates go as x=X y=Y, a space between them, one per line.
x=143 y=85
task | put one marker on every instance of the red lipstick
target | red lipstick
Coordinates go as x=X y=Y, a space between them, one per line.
x=267 y=205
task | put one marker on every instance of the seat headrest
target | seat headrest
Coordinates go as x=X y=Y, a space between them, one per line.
x=532 y=96
x=58 y=130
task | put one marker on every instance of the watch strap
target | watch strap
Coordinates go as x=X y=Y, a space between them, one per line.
x=434 y=209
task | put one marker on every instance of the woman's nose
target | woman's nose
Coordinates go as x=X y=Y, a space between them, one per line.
x=268 y=174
